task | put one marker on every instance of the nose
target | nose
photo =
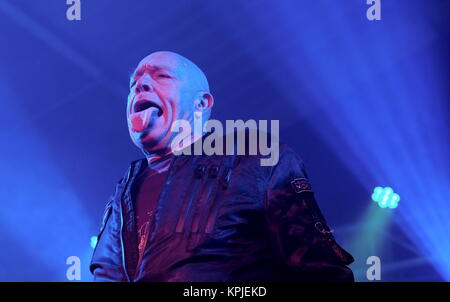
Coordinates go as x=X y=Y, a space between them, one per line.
x=144 y=84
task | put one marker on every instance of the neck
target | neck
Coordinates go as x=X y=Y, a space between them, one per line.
x=153 y=157
x=186 y=141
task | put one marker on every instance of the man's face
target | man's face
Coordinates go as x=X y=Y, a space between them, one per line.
x=160 y=94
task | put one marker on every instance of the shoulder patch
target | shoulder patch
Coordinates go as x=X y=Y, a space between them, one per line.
x=301 y=185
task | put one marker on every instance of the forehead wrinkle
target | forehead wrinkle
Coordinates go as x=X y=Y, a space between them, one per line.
x=182 y=67
x=187 y=70
x=149 y=69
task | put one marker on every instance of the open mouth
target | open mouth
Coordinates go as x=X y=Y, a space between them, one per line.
x=142 y=105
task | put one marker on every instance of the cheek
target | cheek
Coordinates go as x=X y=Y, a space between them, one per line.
x=179 y=103
x=186 y=103
x=128 y=109
x=179 y=112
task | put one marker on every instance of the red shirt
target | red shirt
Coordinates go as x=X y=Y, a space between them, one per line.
x=146 y=191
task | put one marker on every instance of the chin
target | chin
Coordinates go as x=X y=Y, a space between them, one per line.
x=148 y=140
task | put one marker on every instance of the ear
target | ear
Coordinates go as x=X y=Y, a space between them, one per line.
x=203 y=103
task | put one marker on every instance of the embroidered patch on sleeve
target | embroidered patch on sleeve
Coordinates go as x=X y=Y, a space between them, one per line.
x=301 y=185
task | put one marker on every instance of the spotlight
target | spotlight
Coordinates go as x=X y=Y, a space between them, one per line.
x=93 y=241
x=385 y=197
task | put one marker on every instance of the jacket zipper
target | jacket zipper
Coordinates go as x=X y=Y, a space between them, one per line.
x=187 y=206
x=229 y=166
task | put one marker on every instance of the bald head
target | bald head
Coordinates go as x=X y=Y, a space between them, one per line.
x=185 y=68
x=165 y=87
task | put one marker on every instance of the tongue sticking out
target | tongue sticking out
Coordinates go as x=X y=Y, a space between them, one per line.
x=140 y=120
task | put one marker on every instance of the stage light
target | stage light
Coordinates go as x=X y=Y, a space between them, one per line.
x=377 y=193
x=93 y=241
x=394 y=201
x=385 y=197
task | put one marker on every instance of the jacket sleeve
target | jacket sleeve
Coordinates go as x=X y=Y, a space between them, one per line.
x=106 y=258
x=96 y=267
x=304 y=243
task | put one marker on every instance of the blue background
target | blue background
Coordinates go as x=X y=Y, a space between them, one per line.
x=365 y=103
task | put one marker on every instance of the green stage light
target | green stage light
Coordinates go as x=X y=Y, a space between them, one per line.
x=385 y=197
x=93 y=241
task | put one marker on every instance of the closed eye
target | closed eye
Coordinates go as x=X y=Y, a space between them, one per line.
x=163 y=75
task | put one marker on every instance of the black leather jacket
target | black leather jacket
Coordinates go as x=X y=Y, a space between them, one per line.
x=223 y=218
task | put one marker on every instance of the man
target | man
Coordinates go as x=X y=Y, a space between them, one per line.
x=207 y=218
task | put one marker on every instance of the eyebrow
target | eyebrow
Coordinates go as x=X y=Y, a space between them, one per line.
x=147 y=69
